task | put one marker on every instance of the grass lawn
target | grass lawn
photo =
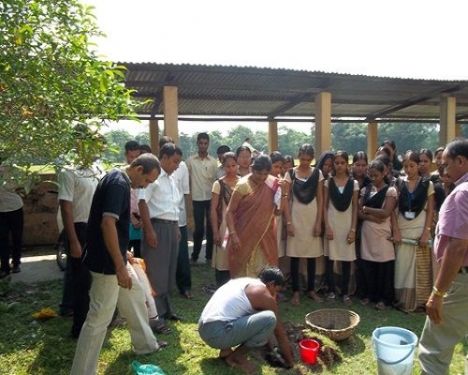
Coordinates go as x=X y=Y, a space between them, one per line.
x=31 y=347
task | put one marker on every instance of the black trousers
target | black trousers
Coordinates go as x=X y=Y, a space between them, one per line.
x=379 y=278
x=295 y=274
x=201 y=211
x=77 y=282
x=345 y=274
x=183 y=273
x=361 y=285
x=11 y=222
x=222 y=277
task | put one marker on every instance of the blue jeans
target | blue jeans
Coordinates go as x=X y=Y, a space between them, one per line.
x=251 y=331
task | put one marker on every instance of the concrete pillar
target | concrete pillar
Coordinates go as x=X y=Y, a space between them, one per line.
x=273 y=136
x=322 y=122
x=448 y=109
x=372 y=139
x=458 y=130
x=154 y=136
x=171 y=113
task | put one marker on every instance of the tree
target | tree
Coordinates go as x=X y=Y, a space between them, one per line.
x=238 y=135
x=349 y=137
x=115 y=145
x=51 y=80
x=143 y=138
x=187 y=144
x=410 y=136
x=216 y=140
x=289 y=140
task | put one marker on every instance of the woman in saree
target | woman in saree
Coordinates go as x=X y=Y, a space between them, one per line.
x=411 y=232
x=250 y=218
x=220 y=197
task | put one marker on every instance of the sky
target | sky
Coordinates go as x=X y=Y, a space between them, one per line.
x=410 y=38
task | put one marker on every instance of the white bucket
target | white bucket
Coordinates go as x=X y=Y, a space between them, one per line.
x=394 y=349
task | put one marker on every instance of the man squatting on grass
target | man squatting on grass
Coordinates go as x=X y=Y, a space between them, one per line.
x=244 y=313
x=113 y=281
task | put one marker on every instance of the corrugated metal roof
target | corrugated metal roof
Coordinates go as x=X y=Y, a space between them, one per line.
x=213 y=90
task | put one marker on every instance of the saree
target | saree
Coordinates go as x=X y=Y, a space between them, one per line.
x=413 y=264
x=254 y=221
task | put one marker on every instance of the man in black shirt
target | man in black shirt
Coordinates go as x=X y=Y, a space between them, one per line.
x=113 y=284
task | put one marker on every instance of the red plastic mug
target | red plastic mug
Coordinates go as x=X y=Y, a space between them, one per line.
x=309 y=349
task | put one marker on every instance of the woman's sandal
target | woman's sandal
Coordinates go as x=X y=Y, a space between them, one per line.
x=314 y=296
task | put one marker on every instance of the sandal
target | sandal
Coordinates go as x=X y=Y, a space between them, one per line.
x=314 y=296
x=159 y=327
x=380 y=306
x=365 y=301
x=162 y=344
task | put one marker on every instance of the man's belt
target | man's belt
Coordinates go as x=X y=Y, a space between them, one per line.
x=163 y=221
x=463 y=270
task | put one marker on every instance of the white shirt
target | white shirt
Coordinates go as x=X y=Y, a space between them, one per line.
x=202 y=175
x=78 y=186
x=230 y=301
x=182 y=180
x=162 y=198
x=9 y=201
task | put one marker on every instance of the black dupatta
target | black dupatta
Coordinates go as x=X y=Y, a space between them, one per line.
x=377 y=200
x=305 y=191
x=414 y=201
x=341 y=201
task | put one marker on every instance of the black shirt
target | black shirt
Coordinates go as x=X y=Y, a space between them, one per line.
x=112 y=197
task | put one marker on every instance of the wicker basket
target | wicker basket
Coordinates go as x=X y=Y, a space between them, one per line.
x=337 y=324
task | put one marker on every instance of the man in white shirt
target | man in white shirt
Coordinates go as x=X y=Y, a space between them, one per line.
x=11 y=221
x=202 y=168
x=182 y=180
x=159 y=210
x=75 y=194
x=243 y=313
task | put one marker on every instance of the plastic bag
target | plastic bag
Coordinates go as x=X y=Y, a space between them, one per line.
x=146 y=369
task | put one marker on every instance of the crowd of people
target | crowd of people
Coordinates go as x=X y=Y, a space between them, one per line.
x=363 y=226
x=357 y=228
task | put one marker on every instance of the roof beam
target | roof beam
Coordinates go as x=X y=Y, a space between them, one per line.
x=208 y=118
x=153 y=94
x=290 y=104
x=461 y=116
x=410 y=102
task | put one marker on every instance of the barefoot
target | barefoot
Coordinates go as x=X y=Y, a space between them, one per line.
x=223 y=353
x=295 y=300
x=238 y=359
x=313 y=295
x=242 y=363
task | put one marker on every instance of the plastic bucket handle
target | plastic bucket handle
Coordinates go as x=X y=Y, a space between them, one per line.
x=410 y=352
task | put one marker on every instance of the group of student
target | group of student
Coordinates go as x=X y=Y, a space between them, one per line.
x=366 y=224
x=369 y=222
